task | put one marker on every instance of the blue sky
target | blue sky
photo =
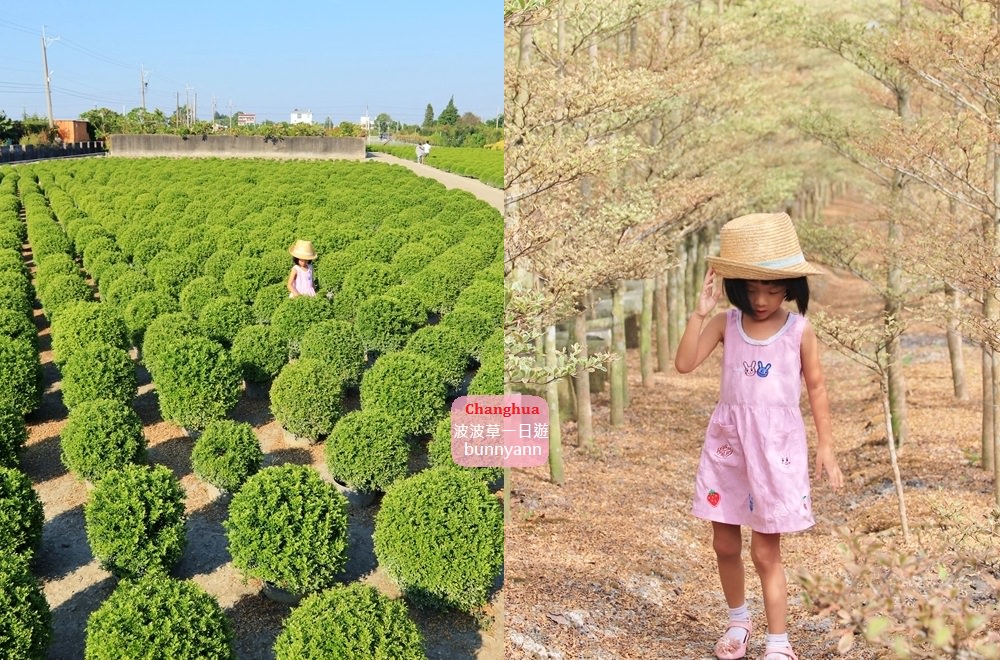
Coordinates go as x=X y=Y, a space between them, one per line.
x=335 y=59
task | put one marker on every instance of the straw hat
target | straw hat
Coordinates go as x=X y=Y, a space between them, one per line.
x=760 y=246
x=303 y=250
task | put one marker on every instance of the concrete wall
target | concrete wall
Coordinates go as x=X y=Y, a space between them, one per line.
x=18 y=153
x=223 y=146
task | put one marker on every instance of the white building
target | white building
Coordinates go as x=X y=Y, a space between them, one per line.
x=301 y=117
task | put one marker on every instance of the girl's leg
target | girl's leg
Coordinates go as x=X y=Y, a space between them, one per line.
x=728 y=544
x=765 y=550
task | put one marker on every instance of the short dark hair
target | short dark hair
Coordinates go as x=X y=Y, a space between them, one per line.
x=796 y=288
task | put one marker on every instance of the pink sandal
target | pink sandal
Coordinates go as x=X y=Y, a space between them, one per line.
x=728 y=648
x=785 y=651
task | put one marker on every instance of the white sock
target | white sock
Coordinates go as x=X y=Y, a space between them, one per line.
x=775 y=642
x=738 y=614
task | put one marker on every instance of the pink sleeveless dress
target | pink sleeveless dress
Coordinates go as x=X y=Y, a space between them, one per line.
x=304 y=281
x=754 y=467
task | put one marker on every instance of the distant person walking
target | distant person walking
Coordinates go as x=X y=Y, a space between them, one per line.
x=420 y=152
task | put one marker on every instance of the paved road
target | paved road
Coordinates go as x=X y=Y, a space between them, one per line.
x=490 y=195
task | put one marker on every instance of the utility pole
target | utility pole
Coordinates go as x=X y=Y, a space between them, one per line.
x=230 y=114
x=48 y=76
x=187 y=105
x=143 y=85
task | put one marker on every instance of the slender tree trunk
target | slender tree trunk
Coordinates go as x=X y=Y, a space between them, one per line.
x=894 y=278
x=584 y=414
x=994 y=294
x=646 y=333
x=691 y=285
x=991 y=310
x=552 y=398
x=675 y=304
x=954 y=334
x=893 y=460
x=663 y=351
x=619 y=377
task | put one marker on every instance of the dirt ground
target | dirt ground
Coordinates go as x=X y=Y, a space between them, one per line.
x=612 y=565
x=75 y=585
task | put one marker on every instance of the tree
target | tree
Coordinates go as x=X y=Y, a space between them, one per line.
x=383 y=121
x=347 y=129
x=428 y=116
x=449 y=116
x=469 y=119
x=6 y=127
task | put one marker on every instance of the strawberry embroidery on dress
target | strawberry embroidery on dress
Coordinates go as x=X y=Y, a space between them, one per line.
x=713 y=498
x=725 y=451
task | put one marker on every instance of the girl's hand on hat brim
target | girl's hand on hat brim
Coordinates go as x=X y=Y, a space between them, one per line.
x=711 y=291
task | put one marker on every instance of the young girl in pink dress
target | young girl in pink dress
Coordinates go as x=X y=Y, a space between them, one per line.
x=300 y=279
x=754 y=467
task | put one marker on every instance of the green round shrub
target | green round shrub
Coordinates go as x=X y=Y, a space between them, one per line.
x=445 y=347
x=143 y=309
x=81 y=323
x=268 y=299
x=337 y=345
x=146 y=250
x=217 y=264
x=411 y=303
x=489 y=378
x=199 y=252
x=161 y=332
x=14 y=298
x=226 y=454
x=289 y=527
x=159 y=618
x=112 y=273
x=106 y=266
x=101 y=435
x=50 y=242
x=222 y=318
x=13 y=435
x=124 y=290
x=411 y=258
x=17 y=326
x=18 y=282
x=363 y=281
x=306 y=398
x=439 y=535
x=382 y=324
x=171 y=272
x=197 y=293
x=13 y=261
x=439 y=284
x=485 y=296
x=197 y=382
x=135 y=520
x=367 y=451
x=21 y=515
x=259 y=352
x=246 y=276
x=407 y=386
x=86 y=233
x=62 y=289
x=99 y=246
x=439 y=453
x=25 y=619
x=296 y=315
x=98 y=371
x=52 y=265
x=20 y=375
x=472 y=325
x=352 y=622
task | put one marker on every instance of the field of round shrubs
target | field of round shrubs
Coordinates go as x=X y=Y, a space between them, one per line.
x=177 y=268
